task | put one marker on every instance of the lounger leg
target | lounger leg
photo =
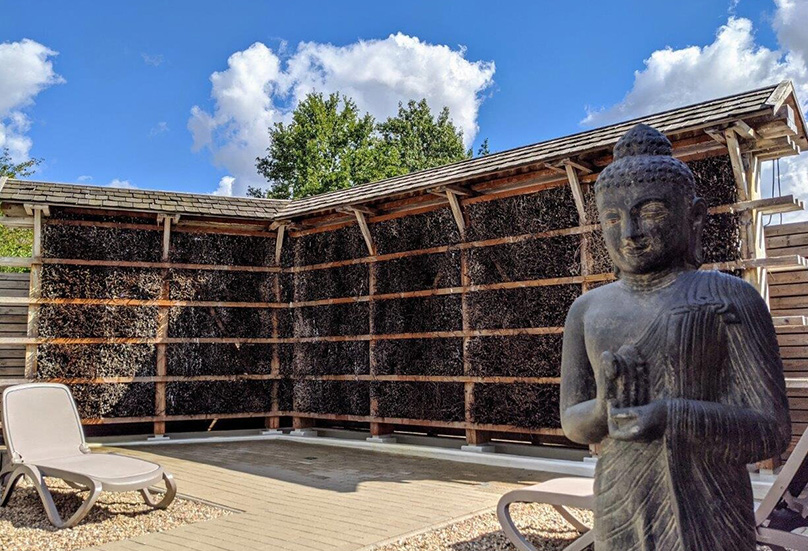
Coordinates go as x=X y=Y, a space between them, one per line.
x=508 y=526
x=767 y=536
x=582 y=543
x=569 y=517
x=171 y=492
x=522 y=544
x=47 y=499
x=10 y=482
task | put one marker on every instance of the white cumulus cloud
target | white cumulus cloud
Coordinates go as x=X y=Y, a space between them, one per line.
x=732 y=63
x=159 y=128
x=25 y=70
x=225 y=186
x=124 y=184
x=84 y=178
x=258 y=88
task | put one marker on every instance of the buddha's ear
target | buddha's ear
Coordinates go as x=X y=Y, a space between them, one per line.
x=698 y=216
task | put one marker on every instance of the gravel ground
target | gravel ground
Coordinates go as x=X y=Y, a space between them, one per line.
x=545 y=529
x=115 y=516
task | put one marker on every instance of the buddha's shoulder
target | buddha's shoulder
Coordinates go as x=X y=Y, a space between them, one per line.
x=594 y=296
x=713 y=281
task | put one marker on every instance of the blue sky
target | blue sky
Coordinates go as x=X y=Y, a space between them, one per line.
x=116 y=102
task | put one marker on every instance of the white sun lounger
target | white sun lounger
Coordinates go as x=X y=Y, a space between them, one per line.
x=44 y=438
x=783 y=509
x=558 y=492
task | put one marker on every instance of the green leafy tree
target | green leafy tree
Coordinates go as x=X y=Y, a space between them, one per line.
x=16 y=170
x=16 y=241
x=327 y=146
x=423 y=141
x=483 y=150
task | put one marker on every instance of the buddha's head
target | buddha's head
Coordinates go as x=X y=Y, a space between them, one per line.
x=648 y=209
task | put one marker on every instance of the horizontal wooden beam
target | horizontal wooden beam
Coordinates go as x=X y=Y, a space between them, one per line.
x=771 y=263
x=790 y=321
x=275 y=377
x=6 y=341
x=160 y=265
x=328 y=417
x=771 y=205
x=15 y=222
x=16 y=261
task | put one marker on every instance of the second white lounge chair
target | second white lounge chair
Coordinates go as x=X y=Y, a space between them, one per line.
x=44 y=438
x=783 y=510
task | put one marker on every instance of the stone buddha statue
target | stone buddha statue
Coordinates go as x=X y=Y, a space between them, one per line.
x=676 y=372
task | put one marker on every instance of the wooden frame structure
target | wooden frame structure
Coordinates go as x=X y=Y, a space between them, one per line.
x=765 y=130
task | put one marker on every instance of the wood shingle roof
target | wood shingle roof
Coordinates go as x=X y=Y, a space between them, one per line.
x=676 y=121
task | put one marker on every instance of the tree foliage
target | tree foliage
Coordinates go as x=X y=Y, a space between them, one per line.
x=329 y=145
x=16 y=242
x=16 y=170
x=421 y=140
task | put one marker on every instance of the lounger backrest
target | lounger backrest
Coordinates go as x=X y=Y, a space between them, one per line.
x=40 y=421
x=792 y=478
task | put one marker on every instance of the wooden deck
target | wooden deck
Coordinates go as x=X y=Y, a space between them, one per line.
x=305 y=497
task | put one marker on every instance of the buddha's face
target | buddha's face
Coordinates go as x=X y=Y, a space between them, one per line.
x=648 y=227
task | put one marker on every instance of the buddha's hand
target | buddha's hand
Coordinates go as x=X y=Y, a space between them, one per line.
x=638 y=423
x=623 y=378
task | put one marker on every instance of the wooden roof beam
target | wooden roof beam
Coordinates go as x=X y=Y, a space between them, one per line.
x=738 y=168
x=577 y=193
x=780 y=95
x=580 y=165
x=29 y=209
x=170 y=218
x=716 y=134
x=351 y=209
x=456 y=189
x=363 y=227
x=556 y=169
x=457 y=211
x=279 y=243
x=744 y=130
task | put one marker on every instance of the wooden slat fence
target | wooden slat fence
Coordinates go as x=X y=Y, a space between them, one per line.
x=788 y=292
x=13 y=323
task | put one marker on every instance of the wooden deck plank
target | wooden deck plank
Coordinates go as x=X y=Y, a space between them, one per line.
x=302 y=497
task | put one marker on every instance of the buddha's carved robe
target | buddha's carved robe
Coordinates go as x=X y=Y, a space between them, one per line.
x=713 y=355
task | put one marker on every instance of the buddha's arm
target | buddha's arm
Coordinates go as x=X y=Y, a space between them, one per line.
x=583 y=416
x=752 y=422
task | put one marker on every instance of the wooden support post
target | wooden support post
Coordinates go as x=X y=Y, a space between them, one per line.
x=738 y=169
x=376 y=429
x=380 y=429
x=474 y=437
x=275 y=422
x=162 y=332
x=279 y=243
x=302 y=423
x=34 y=291
x=457 y=212
x=754 y=241
x=363 y=226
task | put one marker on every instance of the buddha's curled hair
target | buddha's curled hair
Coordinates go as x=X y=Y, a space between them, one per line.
x=644 y=156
